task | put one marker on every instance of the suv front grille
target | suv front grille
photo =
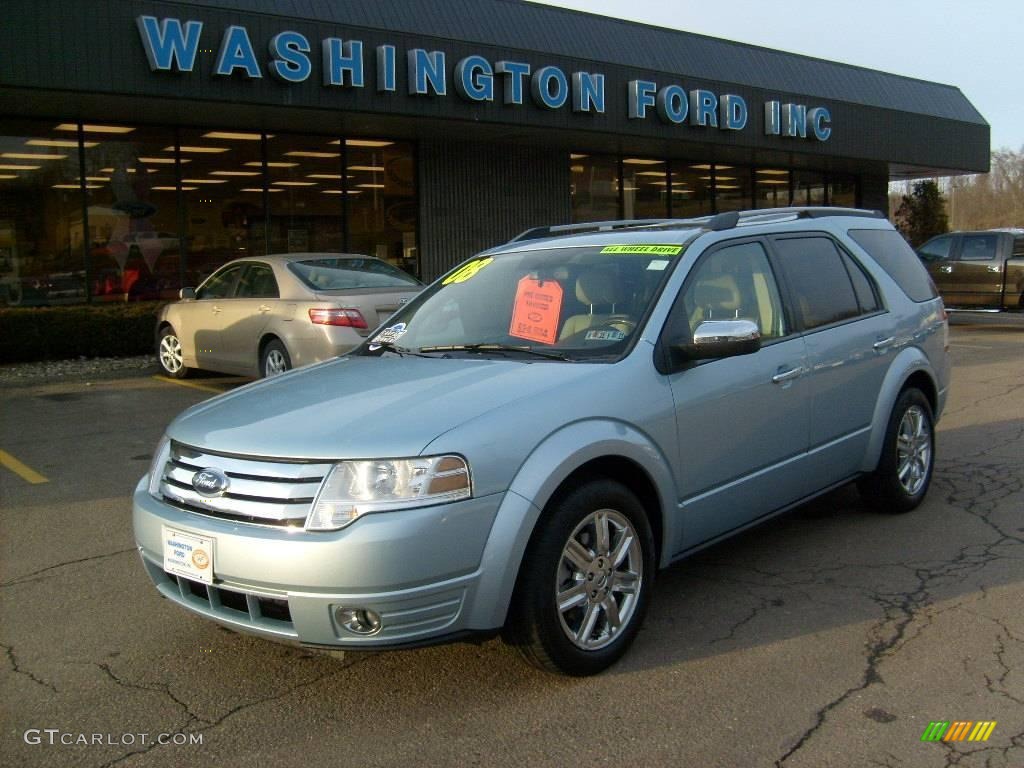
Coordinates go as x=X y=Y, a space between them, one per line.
x=263 y=491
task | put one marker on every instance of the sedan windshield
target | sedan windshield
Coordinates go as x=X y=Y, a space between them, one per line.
x=348 y=273
x=577 y=303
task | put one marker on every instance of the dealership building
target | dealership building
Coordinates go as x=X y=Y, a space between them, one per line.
x=143 y=143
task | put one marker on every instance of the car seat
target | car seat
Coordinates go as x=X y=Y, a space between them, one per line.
x=595 y=288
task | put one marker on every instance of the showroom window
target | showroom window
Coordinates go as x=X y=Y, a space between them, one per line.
x=732 y=188
x=134 y=251
x=808 y=188
x=842 y=190
x=691 y=190
x=305 y=194
x=644 y=188
x=771 y=187
x=594 y=187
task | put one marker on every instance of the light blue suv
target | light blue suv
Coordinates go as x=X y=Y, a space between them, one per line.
x=525 y=444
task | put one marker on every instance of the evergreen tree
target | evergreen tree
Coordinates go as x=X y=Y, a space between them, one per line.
x=922 y=213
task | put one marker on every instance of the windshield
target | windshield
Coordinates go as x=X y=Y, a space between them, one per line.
x=579 y=303
x=348 y=273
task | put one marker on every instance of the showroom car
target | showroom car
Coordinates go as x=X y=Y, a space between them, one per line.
x=263 y=316
x=524 y=445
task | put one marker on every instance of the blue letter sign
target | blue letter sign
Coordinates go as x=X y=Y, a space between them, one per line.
x=168 y=46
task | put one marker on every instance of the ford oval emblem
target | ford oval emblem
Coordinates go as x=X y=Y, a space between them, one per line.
x=210 y=482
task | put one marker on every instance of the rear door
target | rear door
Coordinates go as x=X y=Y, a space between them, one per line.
x=850 y=342
x=742 y=422
x=978 y=271
x=937 y=255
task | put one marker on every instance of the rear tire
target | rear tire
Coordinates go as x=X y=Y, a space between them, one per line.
x=585 y=582
x=274 y=360
x=904 y=471
x=169 y=354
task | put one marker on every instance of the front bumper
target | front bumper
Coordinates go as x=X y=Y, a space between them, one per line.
x=419 y=569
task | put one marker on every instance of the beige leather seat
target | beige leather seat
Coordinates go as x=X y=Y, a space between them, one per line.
x=598 y=289
x=715 y=298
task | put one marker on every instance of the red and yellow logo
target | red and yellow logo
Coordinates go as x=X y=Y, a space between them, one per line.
x=958 y=730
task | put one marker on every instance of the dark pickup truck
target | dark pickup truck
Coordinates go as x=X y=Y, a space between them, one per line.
x=978 y=270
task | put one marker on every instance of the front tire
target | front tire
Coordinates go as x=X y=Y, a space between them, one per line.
x=904 y=471
x=169 y=354
x=274 y=360
x=585 y=581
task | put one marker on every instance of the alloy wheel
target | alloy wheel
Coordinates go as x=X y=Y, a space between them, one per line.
x=913 y=450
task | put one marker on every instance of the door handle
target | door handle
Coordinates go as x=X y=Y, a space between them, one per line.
x=946 y=268
x=881 y=344
x=264 y=307
x=992 y=268
x=789 y=375
x=216 y=309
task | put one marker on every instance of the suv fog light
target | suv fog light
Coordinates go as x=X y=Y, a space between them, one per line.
x=360 y=621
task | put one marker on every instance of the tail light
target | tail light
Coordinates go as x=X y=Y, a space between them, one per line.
x=350 y=318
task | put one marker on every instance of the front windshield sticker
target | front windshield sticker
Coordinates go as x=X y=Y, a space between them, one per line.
x=463 y=274
x=657 y=264
x=388 y=336
x=535 y=313
x=606 y=335
x=654 y=250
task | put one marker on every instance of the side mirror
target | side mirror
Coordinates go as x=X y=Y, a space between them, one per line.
x=187 y=293
x=720 y=338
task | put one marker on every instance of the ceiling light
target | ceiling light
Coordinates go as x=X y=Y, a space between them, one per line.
x=364 y=143
x=234 y=173
x=773 y=181
x=198 y=150
x=205 y=181
x=367 y=168
x=304 y=153
x=231 y=136
x=32 y=156
x=728 y=186
x=649 y=173
x=641 y=161
x=295 y=183
x=772 y=172
x=162 y=160
x=258 y=164
x=8 y=175
x=258 y=189
x=323 y=176
x=371 y=186
x=576 y=156
x=95 y=128
x=59 y=143
x=576 y=168
x=75 y=186
x=97 y=178
x=14 y=167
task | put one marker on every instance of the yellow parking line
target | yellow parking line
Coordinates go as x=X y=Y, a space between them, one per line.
x=193 y=384
x=25 y=473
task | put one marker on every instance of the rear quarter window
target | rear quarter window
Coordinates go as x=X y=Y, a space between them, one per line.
x=890 y=250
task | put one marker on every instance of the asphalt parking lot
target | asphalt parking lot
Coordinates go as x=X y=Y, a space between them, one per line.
x=829 y=637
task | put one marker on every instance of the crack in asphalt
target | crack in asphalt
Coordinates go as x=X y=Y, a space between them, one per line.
x=17 y=669
x=212 y=724
x=36 y=575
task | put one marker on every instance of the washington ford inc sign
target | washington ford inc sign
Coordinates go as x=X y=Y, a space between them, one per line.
x=171 y=46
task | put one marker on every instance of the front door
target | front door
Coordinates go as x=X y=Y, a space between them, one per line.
x=204 y=317
x=937 y=255
x=979 y=270
x=742 y=422
x=246 y=315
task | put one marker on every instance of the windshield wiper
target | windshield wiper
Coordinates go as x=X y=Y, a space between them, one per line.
x=549 y=355
x=390 y=346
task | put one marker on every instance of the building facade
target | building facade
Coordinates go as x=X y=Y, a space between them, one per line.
x=144 y=143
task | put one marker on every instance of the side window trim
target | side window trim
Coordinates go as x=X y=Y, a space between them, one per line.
x=253 y=267
x=237 y=268
x=880 y=306
x=997 y=251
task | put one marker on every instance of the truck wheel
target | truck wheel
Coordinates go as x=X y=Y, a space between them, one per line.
x=585 y=581
x=904 y=471
x=168 y=353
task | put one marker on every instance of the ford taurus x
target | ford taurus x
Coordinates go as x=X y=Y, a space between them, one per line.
x=528 y=441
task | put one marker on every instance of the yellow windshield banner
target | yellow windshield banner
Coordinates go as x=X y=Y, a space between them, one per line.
x=655 y=250
x=467 y=271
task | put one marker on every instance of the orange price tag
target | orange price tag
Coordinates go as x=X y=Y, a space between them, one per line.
x=535 y=314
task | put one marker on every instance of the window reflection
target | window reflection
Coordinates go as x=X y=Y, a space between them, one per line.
x=222 y=189
x=594 y=187
x=691 y=191
x=732 y=188
x=305 y=191
x=381 y=187
x=644 y=188
x=808 y=188
x=842 y=191
x=771 y=187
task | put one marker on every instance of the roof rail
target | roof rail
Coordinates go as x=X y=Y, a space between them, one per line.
x=715 y=223
x=590 y=226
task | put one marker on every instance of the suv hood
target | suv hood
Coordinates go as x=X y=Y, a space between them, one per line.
x=364 y=407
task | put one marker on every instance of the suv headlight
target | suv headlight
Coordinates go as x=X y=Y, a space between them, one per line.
x=356 y=488
x=156 y=467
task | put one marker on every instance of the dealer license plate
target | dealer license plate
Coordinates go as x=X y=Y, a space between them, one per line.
x=188 y=555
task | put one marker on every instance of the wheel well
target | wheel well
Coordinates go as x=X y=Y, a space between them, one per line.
x=160 y=328
x=267 y=338
x=630 y=474
x=922 y=381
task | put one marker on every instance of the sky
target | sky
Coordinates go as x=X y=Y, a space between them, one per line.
x=976 y=45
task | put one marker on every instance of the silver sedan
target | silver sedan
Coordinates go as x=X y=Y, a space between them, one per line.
x=262 y=316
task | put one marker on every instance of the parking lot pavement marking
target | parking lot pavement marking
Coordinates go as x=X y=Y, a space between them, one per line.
x=193 y=384
x=27 y=474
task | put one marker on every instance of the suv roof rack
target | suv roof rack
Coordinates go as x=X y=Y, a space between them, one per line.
x=715 y=223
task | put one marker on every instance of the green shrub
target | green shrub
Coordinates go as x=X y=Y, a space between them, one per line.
x=59 y=333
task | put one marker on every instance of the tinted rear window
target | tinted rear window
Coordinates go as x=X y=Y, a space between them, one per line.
x=890 y=250
x=818 y=280
x=347 y=274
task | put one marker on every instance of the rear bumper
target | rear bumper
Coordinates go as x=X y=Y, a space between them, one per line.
x=322 y=342
x=418 y=569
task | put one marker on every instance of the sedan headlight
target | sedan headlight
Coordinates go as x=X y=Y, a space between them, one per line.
x=356 y=488
x=156 y=467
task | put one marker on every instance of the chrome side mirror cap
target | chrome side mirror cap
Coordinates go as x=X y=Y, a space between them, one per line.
x=721 y=338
